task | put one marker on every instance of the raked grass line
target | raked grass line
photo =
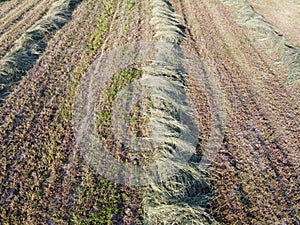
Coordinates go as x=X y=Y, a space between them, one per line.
x=16 y=13
x=15 y=64
x=271 y=41
x=17 y=29
x=7 y=6
x=181 y=198
x=9 y=22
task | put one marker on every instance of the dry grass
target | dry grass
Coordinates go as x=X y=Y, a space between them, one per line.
x=267 y=36
x=27 y=49
x=282 y=15
x=179 y=192
x=44 y=179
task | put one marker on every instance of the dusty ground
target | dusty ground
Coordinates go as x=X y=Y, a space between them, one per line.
x=43 y=179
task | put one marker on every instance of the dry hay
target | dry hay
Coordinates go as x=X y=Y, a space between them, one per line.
x=267 y=36
x=27 y=49
x=180 y=192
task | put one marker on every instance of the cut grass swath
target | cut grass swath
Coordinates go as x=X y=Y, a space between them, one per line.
x=266 y=35
x=15 y=14
x=32 y=43
x=181 y=198
x=16 y=28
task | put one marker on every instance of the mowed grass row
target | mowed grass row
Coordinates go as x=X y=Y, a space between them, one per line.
x=13 y=15
x=44 y=179
x=8 y=5
x=15 y=30
x=15 y=64
x=269 y=38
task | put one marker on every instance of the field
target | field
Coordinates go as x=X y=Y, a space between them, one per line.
x=214 y=80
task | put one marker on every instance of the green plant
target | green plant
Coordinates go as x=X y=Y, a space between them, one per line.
x=117 y=83
x=131 y=4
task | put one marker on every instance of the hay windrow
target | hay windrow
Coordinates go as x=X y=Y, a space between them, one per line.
x=15 y=64
x=182 y=197
x=267 y=36
x=12 y=27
